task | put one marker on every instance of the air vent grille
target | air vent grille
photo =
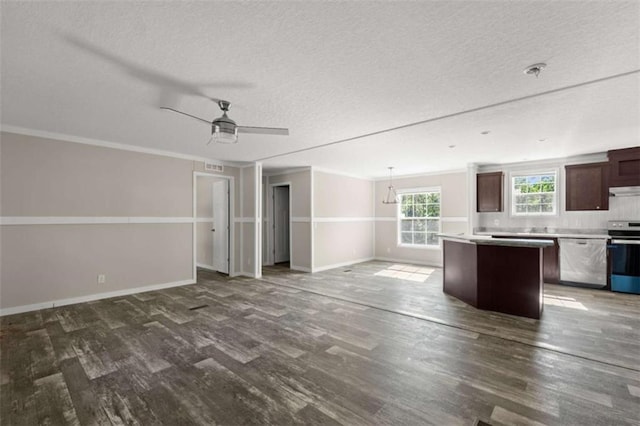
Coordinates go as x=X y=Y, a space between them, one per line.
x=212 y=167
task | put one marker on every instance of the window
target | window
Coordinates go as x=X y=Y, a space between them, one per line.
x=533 y=194
x=419 y=218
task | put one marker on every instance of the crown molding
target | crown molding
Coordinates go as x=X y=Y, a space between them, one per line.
x=339 y=173
x=286 y=171
x=413 y=175
x=595 y=157
x=113 y=145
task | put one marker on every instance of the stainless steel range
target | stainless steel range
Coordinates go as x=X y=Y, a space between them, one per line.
x=624 y=252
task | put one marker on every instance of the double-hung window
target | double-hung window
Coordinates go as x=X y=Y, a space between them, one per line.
x=419 y=218
x=534 y=194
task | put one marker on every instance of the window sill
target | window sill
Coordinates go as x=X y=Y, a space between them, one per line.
x=419 y=246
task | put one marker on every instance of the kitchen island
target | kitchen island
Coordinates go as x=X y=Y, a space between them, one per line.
x=502 y=275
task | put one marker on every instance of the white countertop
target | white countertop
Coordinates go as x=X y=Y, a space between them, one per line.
x=487 y=240
x=541 y=235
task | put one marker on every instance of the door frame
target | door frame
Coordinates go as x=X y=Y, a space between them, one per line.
x=272 y=231
x=225 y=185
x=231 y=220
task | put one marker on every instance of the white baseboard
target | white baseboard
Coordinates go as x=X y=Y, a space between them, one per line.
x=91 y=297
x=341 y=264
x=205 y=266
x=299 y=268
x=407 y=261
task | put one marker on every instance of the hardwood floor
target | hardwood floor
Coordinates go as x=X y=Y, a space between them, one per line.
x=594 y=324
x=367 y=346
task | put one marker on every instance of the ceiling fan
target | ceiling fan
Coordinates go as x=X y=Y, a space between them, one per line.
x=225 y=130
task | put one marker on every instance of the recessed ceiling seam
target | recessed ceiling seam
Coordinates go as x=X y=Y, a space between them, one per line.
x=455 y=114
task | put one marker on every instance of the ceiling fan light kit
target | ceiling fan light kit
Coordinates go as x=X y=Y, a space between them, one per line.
x=221 y=135
x=224 y=129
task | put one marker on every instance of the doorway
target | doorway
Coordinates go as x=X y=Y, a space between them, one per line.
x=281 y=224
x=213 y=245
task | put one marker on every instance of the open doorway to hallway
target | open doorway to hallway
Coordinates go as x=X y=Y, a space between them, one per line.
x=281 y=225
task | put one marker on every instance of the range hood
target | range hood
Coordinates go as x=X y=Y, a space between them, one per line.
x=624 y=191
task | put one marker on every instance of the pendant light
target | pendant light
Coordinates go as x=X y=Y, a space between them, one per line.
x=392 y=196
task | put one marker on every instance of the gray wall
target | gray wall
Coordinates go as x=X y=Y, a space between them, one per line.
x=343 y=220
x=250 y=262
x=72 y=211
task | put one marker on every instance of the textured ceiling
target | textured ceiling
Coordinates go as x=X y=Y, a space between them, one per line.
x=329 y=71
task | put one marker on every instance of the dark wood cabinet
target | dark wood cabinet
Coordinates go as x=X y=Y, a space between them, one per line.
x=551 y=263
x=494 y=277
x=489 y=192
x=550 y=259
x=587 y=187
x=624 y=167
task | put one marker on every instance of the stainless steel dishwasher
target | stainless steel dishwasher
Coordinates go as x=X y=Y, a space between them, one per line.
x=583 y=261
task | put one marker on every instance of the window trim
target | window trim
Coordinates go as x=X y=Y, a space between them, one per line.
x=405 y=191
x=526 y=172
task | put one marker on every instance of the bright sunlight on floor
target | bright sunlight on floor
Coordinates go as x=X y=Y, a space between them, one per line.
x=566 y=302
x=406 y=272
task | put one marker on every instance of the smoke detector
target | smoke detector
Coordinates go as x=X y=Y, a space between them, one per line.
x=535 y=69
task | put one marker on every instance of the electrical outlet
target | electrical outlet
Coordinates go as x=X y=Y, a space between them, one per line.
x=102 y=278
x=388 y=249
x=496 y=222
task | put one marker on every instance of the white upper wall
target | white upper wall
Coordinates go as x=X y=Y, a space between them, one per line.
x=341 y=196
x=453 y=197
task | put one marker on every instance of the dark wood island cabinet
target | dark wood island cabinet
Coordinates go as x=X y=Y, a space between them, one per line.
x=502 y=275
x=550 y=258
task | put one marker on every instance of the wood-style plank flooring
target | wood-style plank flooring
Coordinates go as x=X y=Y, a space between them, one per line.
x=362 y=345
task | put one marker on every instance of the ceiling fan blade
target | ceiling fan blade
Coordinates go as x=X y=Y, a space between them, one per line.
x=264 y=130
x=188 y=115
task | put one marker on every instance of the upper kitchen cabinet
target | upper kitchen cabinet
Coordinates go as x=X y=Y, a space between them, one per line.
x=489 y=192
x=624 y=167
x=587 y=186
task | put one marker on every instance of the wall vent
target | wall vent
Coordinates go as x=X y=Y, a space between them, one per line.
x=212 y=167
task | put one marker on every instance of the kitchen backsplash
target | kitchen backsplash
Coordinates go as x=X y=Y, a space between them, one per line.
x=623 y=208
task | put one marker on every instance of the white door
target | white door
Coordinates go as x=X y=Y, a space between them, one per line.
x=221 y=226
x=281 y=223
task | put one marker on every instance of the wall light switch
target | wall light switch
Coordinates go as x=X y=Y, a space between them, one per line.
x=102 y=279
